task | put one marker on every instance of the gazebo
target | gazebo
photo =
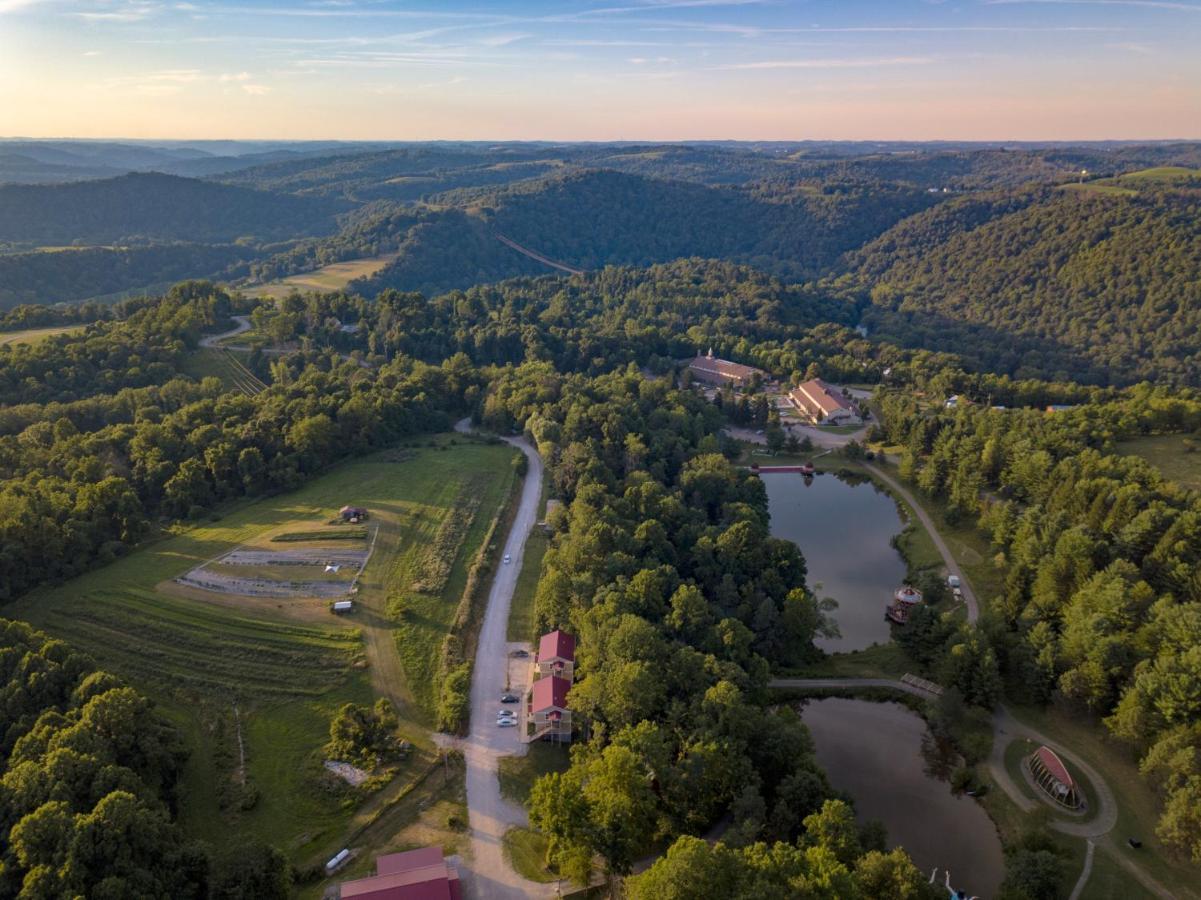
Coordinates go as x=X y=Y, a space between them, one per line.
x=1052 y=776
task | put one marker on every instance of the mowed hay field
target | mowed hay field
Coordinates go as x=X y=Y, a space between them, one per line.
x=33 y=335
x=274 y=671
x=333 y=277
x=1170 y=454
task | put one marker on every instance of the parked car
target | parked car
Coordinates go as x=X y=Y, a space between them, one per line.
x=505 y=714
x=520 y=654
x=506 y=723
x=508 y=698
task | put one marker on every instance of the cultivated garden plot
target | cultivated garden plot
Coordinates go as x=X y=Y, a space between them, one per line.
x=314 y=571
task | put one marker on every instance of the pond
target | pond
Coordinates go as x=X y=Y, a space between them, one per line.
x=844 y=531
x=883 y=755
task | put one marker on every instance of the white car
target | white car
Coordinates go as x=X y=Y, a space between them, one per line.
x=506 y=714
x=508 y=559
x=506 y=723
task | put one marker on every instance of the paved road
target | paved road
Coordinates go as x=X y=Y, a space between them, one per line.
x=969 y=595
x=213 y=339
x=486 y=874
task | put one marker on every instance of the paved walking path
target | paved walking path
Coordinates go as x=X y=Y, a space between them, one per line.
x=969 y=595
x=1005 y=729
x=1078 y=890
x=486 y=874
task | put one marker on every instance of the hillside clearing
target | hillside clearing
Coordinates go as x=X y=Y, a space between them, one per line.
x=284 y=666
x=1170 y=454
x=333 y=277
x=33 y=335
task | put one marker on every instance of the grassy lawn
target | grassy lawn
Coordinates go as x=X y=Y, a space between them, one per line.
x=277 y=670
x=518 y=773
x=1168 y=453
x=33 y=335
x=525 y=849
x=432 y=813
x=481 y=472
x=205 y=362
x=521 y=613
x=878 y=661
x=1138 y=808
x=329 y=278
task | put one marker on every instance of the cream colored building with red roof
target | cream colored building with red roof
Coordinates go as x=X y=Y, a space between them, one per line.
x=824 y=404
x=722 y=372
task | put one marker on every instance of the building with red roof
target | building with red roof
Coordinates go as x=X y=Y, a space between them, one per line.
x=823 y=403
x=547 y=712
x=556 y=655
x=414 y=875
x=721 y=371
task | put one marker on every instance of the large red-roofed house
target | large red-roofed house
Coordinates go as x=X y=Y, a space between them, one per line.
x=548 y=709
x=414 y=875
x=556 y=655
x=820 y=402
x=721 y=371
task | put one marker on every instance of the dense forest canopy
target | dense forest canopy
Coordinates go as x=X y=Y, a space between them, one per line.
x=1013 y=290
x=1095 y=282
x=145 y=207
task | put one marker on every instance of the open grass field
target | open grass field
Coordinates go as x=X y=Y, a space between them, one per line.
x=521 y=612
x=33 y=335
x=518 y=773
x=1138 y=808
x=333 y=277
x=227 y=365
x=277 y=670
x=1170 y=454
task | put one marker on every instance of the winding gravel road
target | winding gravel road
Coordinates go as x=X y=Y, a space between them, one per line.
x=486 y=875
x=214 y=339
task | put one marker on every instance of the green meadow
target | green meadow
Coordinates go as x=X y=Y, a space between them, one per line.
x=253 y=682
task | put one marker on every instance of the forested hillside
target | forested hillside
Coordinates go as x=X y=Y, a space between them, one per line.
x=67 y=275
x=88 y=773
x=153 y=207
x=593 y=219
x=1097 y=282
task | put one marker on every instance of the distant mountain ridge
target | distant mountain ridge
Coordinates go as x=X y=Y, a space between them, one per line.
x=154 y=207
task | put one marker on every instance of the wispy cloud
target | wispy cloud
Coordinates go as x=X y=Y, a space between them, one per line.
x=1148 y=4
x=853 y=63
x=8 y=6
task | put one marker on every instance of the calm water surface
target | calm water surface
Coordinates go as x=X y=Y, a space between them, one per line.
x=882 y=754
x=843 y=530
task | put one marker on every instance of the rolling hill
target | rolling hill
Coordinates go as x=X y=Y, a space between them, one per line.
x=154 y=207
x=591 y=219
x=1099 y=282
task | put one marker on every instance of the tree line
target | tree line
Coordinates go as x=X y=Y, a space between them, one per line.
x=662 y=564
x=1102 y=598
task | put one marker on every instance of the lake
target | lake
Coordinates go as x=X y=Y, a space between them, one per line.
x=883 y=755
x=844 y=531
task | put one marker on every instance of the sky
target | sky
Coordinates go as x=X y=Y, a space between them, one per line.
x=651 y=70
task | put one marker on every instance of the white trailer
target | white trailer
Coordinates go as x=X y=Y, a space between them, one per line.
x=343 y=606
x=338 y=861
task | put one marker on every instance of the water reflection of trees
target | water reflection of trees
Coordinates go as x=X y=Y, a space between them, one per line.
x=939 y=758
